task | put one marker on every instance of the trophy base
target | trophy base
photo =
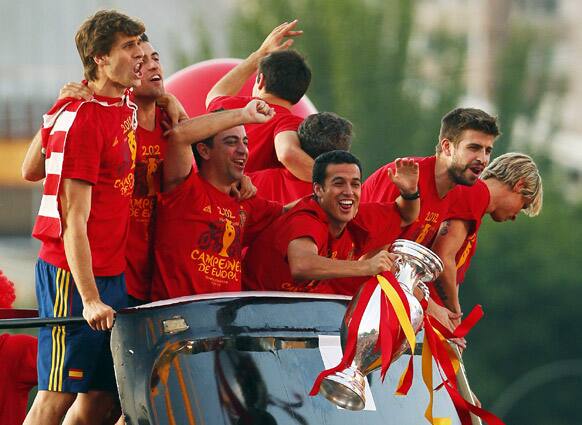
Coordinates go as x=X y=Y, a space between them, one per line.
x=345 y=389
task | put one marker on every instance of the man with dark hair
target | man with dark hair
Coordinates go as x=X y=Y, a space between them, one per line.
x=510 y=184
x=90 y=149
x=464 y=148
x=151 y=147
x=465 y=143
x=201 y=228
x=317 y=244
x=318 y=133
x=282 y=79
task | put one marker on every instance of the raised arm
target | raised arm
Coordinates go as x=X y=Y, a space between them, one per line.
x=289 y=152
x=447 y=244
x=405 y=178
x=306 y=264
x=233 y=81
x=173 y=108
x=75 y=200
x=178 y=161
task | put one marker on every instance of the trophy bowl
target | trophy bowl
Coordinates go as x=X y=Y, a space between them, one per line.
x=416 y=264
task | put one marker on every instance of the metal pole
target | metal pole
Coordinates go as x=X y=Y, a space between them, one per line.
x=38 y=322
x=464 y=388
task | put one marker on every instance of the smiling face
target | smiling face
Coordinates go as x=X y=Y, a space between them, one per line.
x=469 y=157
x=339 y=195
x=229 y=154
x=152 y=81
x=122 y=65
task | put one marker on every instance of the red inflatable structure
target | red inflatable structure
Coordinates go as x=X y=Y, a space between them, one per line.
x=191 y=85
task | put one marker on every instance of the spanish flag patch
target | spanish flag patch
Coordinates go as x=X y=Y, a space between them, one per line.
x=75 y=374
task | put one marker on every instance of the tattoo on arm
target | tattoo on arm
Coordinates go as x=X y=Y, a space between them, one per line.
x=440 y=290
x=444 y=228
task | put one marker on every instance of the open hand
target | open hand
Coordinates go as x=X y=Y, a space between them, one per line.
x=405 y=175
x=278 y=38
x=76 y=91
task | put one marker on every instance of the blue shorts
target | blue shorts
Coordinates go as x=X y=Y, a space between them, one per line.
x=74 y=358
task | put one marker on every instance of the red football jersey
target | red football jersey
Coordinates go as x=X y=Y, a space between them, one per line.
x=266 y=266
x=278 y=184
x=101 y=149
x=199 y=237
x=433 y=209
x=470 y=205
x=17 y=376
x=261 y=136
x=151 y=149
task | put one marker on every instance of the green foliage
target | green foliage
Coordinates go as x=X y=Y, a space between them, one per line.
x=364 y=69
x=523 y=78
x=527 y=276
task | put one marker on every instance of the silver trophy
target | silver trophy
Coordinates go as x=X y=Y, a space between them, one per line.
x=416 y=265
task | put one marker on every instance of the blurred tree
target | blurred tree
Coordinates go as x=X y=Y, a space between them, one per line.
x=527 y=276
x=523 y=78
x=365 y=70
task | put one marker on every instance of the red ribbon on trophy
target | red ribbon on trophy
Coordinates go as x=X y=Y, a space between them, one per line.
x=394 y=326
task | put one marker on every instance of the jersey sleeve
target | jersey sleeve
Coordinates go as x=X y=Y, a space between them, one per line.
x=379 y=188
x=288 y=122
x=302 y=225
x=259 y=214
x=469 y=203
x=174 y=196
x=228 y=102
x=382 y=221
x=84 y=144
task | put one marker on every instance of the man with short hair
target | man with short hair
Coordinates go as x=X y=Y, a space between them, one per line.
x=82 y=223
x=318 y=133
x=151 y=152
x=151 y=147
x=318 y=243
x=464 y=148
x=201 y=228
x=465 y=143
x=510 y=184
x=282 y=79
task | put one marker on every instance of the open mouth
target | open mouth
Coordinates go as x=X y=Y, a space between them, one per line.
x=156 y=78
x=476 y=169
x=239 y=163
x=137 y=70
x=346 y=204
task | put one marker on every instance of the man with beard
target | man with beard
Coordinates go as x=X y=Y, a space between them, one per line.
x=464 y=148
x=510 y=184
x=465 y=143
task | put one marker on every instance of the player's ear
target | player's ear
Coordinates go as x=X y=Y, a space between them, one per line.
x=260 y=81
x=100 y=59
x=318 y=190
x=203 y=150
x=446 y=146
x=518 y=187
